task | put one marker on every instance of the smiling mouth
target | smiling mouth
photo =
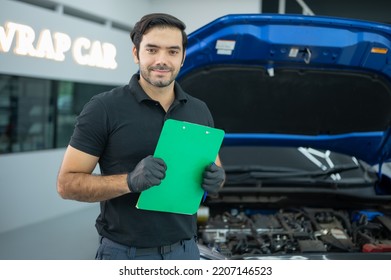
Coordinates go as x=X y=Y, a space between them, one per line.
x=161 y=74
x=160 y=69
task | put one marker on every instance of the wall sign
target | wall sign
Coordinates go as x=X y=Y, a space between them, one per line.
x=54 y=45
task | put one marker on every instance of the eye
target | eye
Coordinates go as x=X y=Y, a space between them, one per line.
x=174 y=52
x=151 y=51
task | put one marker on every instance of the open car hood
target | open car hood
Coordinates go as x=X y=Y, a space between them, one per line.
x=285 y=80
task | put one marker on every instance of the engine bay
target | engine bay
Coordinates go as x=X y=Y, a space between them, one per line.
x=238 y=232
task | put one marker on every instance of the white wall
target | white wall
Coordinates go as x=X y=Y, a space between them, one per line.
x=28 y=192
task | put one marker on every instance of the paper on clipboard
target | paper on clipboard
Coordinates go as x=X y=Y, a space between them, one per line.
x=186 y=148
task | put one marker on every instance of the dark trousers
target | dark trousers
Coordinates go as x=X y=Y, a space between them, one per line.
x=184 y=250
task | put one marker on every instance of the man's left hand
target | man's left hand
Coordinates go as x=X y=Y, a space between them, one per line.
x=213 y=178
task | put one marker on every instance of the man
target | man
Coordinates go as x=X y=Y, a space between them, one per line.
x=119 y=130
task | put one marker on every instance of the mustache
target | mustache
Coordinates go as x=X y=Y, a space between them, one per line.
x=160 y=68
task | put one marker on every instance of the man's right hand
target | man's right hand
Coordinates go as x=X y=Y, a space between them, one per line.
x=149 y=172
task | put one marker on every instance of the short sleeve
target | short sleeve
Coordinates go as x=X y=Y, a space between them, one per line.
x=91 y=128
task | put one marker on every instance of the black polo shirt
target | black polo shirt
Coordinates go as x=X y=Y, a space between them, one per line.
x=121 y=127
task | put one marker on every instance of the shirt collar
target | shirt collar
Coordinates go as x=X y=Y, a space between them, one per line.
x=140 y=94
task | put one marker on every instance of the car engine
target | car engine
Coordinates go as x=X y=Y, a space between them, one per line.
x=295 y=231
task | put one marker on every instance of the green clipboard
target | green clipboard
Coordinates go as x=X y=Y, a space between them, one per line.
x=186 y=148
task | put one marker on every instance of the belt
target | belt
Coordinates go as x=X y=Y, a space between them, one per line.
x=165 y=249
x=159 y=250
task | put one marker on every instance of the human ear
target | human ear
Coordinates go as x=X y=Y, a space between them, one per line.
x=135 y=55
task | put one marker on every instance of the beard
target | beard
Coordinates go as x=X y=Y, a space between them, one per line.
x=157 y=80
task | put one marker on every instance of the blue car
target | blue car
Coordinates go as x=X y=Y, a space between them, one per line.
x=305 y=102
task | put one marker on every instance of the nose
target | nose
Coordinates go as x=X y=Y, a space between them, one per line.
x=162 y=58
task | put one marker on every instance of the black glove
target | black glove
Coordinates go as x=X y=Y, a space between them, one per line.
x=214 y=177
x=149 y=172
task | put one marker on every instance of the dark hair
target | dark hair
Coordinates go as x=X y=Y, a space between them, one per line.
x=156 y=20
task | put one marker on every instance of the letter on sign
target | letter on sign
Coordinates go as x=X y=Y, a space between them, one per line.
x=55 y=46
